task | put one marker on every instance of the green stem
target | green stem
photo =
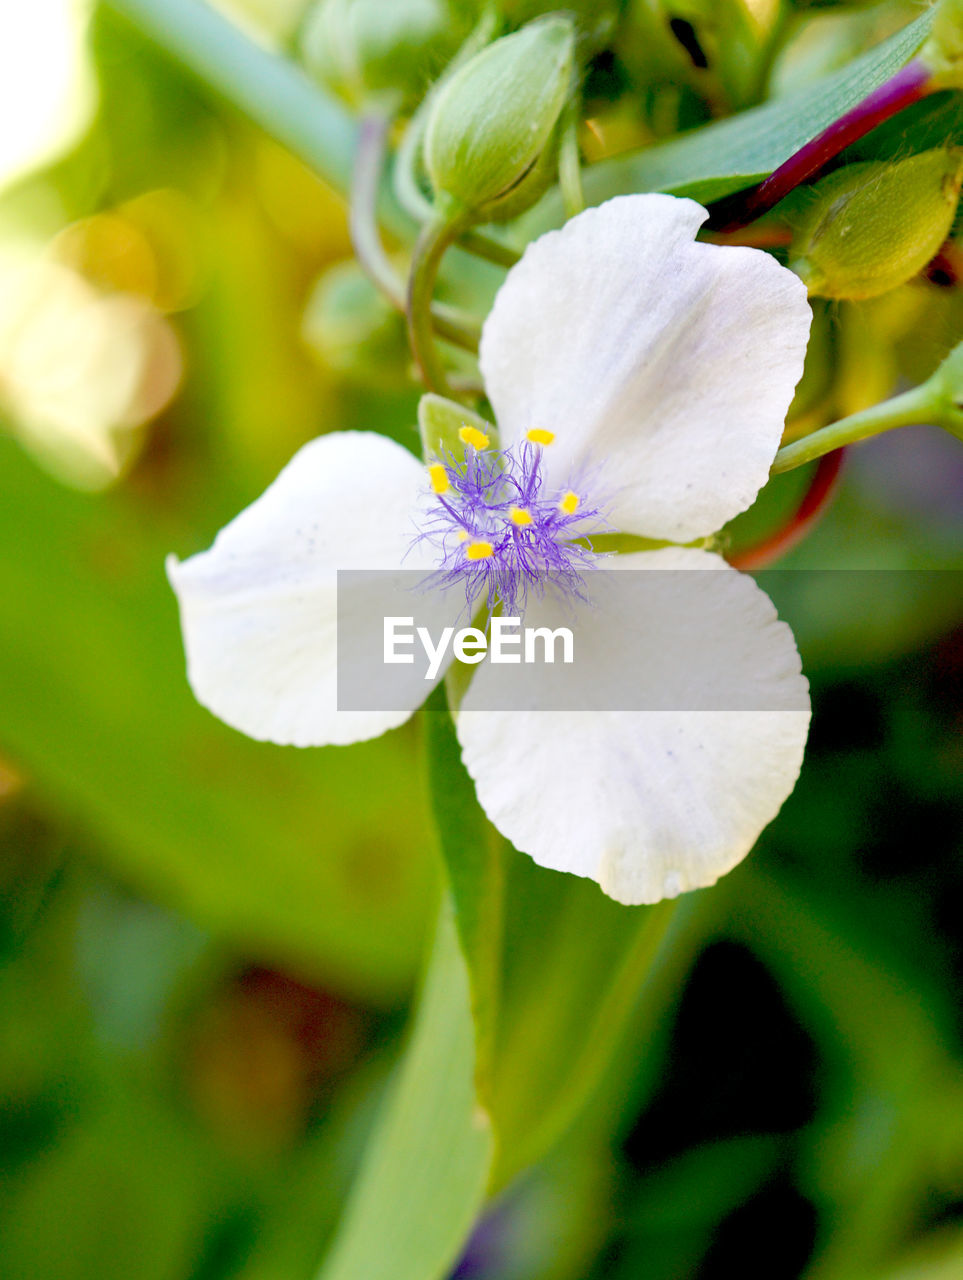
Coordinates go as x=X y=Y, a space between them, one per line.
x=415 y=203
x=570 y=165
x=362 y=221
x=405 y=173
x=436 y=236
x=909 y=409
x=473 y=853
x=488 y=248
x=642 y=983
x=273 y=92
x=268 y=88
x=449 y=323
x=630 y=980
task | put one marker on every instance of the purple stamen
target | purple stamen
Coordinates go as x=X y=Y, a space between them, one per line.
x=545 y=544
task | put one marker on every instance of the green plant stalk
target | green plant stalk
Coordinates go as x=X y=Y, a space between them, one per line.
x=570 y=164
x=436 y=236
x=415 y=203
x=426 y=1163
x=450 y=323
x=268 y=87
x=365 y=238
x=641 y=984
x=912 y=407
x=473 y=854
x=276 y=95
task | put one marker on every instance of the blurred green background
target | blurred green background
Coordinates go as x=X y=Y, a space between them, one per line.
x=208 y=946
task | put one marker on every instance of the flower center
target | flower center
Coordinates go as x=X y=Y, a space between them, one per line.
x=500 y=529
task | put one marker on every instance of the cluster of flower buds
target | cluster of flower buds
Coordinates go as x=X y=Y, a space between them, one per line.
x=492 y=131
x=493 y=112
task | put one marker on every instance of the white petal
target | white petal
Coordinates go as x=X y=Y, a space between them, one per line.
x=670 y=364
x=259 y=609
x=650 y=803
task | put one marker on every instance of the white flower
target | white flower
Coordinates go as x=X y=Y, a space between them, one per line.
x=669 y=365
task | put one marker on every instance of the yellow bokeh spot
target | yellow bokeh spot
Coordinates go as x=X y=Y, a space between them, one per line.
x=569 y=503
x=471 y=435
x=538 y=435
x=438 y=476
x=462 y=535
x=520 y=516
x=479 y=551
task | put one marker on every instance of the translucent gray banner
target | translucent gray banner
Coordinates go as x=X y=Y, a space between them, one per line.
x=651 y=640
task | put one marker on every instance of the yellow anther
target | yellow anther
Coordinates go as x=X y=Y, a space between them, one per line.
x=471 y=435
x=569 y=504
x=462 y=535
x=520 y=516
x=479 y=551
x=538 y=435
x=438 y=475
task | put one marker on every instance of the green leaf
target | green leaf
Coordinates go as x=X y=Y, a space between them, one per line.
x=473 y=854
x=426 y=1167
x=720 y=158
x=579 y=968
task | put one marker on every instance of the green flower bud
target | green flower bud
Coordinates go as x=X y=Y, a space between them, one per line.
x=493 y=121
x=873 y=226
x=362 y=49
x=354 y=331
x=595 y=20
x=943 y=51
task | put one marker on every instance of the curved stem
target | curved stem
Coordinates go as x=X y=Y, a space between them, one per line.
x=436 y=236
x=405 y=172
x=487 y=247
x=362 y=224
x=909 y=409
x=449 y=323
x=816 y=499
x=414 y=201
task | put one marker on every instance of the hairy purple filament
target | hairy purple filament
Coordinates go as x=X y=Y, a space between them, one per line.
x=476 y=511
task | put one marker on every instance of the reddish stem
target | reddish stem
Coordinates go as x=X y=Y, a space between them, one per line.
x=909 y=85
x=821 y=488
